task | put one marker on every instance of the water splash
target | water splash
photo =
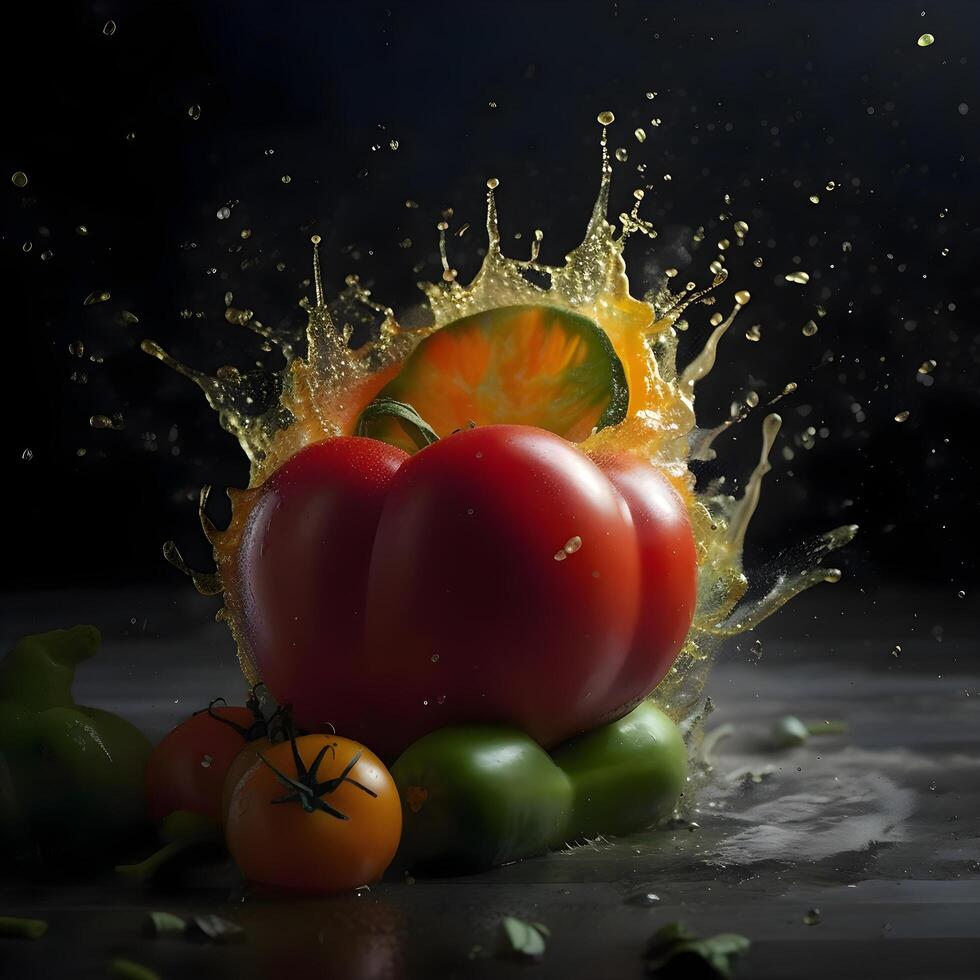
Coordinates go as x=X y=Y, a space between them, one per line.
x=323 y=389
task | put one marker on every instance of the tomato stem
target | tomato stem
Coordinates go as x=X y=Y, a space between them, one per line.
x=305 y=789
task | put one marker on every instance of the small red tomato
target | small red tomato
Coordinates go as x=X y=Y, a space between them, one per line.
x=186 y=771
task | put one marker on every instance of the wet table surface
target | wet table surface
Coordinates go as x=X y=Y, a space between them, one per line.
x=878 y=829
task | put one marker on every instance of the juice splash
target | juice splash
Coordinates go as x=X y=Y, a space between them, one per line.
x=325 y=388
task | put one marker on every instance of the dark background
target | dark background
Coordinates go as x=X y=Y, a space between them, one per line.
x=764 y=101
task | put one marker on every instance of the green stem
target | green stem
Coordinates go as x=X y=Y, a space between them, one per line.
x=73 y=646
x=186 y=831
x=421 y=433
x=148 y=867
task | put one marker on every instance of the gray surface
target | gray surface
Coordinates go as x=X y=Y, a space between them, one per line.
x=878 y=829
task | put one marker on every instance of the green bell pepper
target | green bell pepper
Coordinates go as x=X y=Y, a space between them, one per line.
x=71 y=777
x=475 y=796
x=626 y=775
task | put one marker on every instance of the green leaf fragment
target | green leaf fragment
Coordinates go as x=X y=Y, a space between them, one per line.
x=211 y=927
x=165 y=924
x=675 y=951
x=789 y=732
x=218 y=930
x=523 y=939
x=669 y=935
x=14 y=927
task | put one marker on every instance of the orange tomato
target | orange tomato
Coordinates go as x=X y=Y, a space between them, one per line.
x=320 y=814
x=240 y=765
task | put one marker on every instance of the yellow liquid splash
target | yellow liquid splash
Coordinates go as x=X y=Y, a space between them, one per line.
x=324 y=390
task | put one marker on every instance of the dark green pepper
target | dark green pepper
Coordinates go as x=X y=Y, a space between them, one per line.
x=71 y=777
x=476 y=796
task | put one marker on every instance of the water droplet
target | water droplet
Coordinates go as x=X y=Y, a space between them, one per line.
x=27 y=455
x=961 y=594
x=621 y=155
x=933 y=785
x=435 y=658
x=963 y=108
x=81 y=230
x=800 y=278
x=223 y=214
x=897 y=651
x=651 y=95
x=830 y=185
x=105 y=422
x=643 y=899
x=96 y=297
x=246 y=233
x=812 y=917
x=902 y=416
x=814 y=199
x=716 y=319
x=572 y=545
x=927 y=366
x=754 y=333
x=77 y=348
x=752 y=399
x=742 y=297
x=560 y=555
x=757 y=262
x=109 y=28
x=925 y=40
x=640 y=135
x=286 y=179
x=207 y=761
x=605 y=118
x=47 y=255
x=809 y=328
x=756 y=649
x=26 y=247
x=194 y=112
x=392 y=144
x=19 y=179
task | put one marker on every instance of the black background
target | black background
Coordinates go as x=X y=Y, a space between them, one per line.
x=764 y=101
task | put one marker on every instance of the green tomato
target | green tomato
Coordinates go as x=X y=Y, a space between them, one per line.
x=626 y=775
x=476 y=796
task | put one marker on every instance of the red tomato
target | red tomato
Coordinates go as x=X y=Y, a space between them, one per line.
x=497 y=575
x=186 y=771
